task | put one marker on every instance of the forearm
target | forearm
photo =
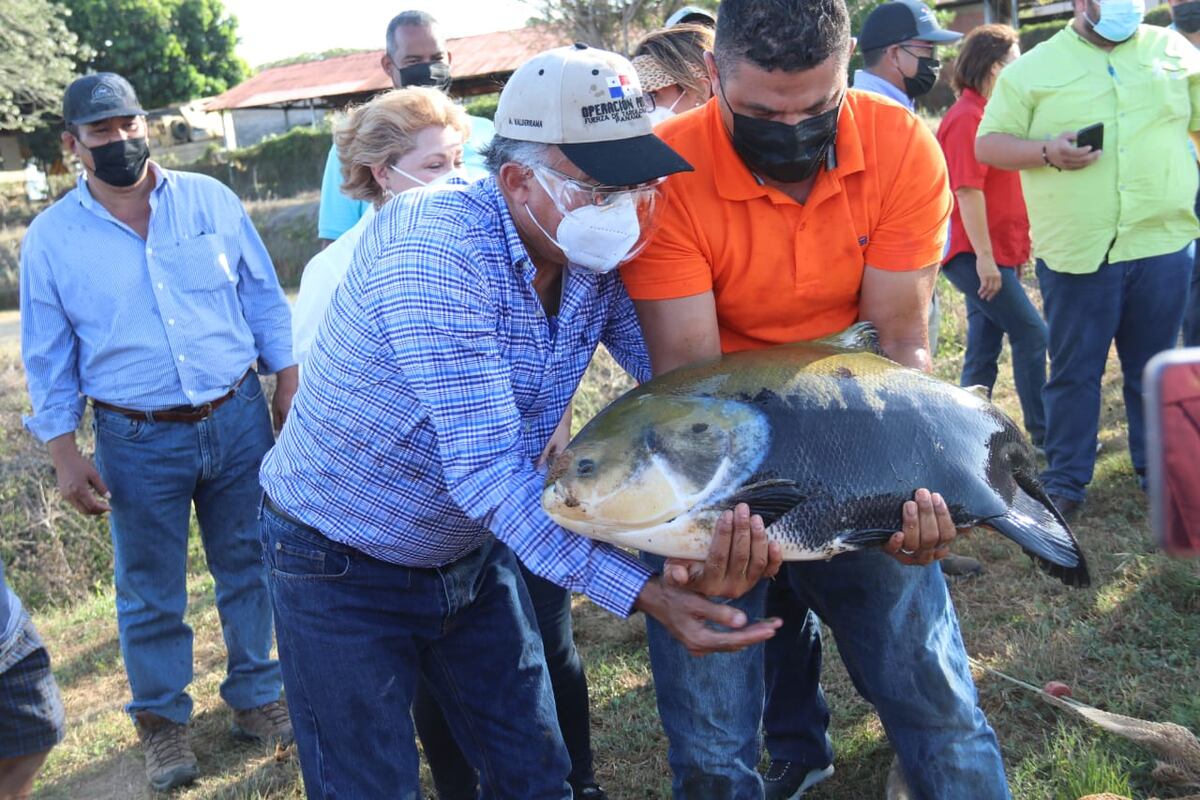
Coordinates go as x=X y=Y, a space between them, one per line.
x=62 y=448
x=1009 y=152
x=1195 y=143
x=973 y=207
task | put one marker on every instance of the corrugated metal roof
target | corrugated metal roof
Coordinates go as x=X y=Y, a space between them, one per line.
x=359 y=73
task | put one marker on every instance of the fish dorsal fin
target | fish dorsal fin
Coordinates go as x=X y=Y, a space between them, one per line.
x=980 y=391
x=770 y=499
x=859 y=336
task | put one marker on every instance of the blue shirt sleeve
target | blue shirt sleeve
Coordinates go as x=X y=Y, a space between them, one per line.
x=435 y=312
x=482 y=131
x=49 y=348
x=338 y=212
x=264 y=305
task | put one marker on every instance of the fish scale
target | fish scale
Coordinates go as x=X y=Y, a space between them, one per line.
x=825 y=440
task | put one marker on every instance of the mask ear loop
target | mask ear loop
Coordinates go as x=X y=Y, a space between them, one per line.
x=533 y=171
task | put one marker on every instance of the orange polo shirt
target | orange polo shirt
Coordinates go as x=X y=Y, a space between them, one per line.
x=782 y=271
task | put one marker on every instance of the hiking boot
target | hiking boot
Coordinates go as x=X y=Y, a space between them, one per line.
x=787 y=780
x=1067 y=507
x=267 y=724
x=170 y=761
x=960 y=568
x=588 y=791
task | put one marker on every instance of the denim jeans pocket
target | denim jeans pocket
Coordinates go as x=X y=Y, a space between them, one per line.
x=249 y=390
x=118 y=426
x=296 y=555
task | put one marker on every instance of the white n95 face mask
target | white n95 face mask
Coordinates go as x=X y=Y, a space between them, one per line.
x=596 y=237
x=438 y=181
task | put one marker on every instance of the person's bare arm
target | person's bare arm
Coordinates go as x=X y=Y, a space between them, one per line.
x=897 y=303
x=680 y=331
x=1010 y=152
x=973 y=208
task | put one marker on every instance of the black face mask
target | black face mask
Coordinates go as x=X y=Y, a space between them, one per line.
x=782 y=152
x=428 y=73
x=1187 y=16
x=927 y=75
x=120 y=163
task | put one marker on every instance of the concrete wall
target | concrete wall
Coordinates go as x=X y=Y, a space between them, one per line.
x=252 y=125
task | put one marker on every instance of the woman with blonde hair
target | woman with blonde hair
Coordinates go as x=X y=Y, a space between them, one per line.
x=670 y=66
x=401 y=140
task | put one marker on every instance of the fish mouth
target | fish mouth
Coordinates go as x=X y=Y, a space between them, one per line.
x=657 y=496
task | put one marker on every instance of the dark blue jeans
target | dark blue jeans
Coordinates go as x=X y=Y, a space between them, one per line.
x=1011 y=312
x=156 y=471
x=453 y=776
x=898 y=636
x=1191 y=319
x=1139 y=304
x=356 y=634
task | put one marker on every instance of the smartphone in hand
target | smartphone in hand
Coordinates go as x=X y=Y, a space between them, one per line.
x=1172 y=402
x=1092 y=136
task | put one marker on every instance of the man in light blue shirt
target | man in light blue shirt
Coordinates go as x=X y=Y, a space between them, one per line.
x=898 y=41
x=150 y=292
x=416 y=55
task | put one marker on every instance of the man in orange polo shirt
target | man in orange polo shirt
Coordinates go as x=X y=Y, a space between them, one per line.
x=811 y=207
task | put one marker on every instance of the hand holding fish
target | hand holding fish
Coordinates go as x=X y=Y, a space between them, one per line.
x=928 y=531
x=686 y=615
x=739 y=556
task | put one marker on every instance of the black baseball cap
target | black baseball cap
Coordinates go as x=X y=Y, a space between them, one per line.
x=99 y=96
x=902 y=21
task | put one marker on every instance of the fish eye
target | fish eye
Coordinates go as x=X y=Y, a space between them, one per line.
x=585 y=466
x=700 y=427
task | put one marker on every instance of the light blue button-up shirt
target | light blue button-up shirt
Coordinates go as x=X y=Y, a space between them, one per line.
x=171 y=320
x=869 y=82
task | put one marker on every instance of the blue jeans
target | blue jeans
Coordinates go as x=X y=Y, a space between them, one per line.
x=1191 y=319
x=355 y=636
x=898 y=636
x=711 y=707
x=1138 y=303
x=453 y=777
x=1011 y=312
x=155 y=472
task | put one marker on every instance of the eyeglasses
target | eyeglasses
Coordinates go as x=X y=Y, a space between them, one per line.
x=928 y=52
x=571 y=193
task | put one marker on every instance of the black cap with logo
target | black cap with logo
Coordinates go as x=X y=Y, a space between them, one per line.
x=100 y=96
x=902 y=21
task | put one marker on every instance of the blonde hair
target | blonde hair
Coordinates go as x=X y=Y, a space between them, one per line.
x=674 y=55
x=383 y=130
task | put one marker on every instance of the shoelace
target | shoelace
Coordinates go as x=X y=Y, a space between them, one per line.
x=167 y=745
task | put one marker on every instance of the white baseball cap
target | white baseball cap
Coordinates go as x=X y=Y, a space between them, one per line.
x=589 y=103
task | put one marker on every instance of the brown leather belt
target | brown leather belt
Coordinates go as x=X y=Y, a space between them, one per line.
x=178 y=413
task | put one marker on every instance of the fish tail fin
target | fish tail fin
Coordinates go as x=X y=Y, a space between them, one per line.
x=859 y=336
x=1034 y=523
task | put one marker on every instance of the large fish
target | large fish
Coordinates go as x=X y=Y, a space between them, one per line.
x=824 y=439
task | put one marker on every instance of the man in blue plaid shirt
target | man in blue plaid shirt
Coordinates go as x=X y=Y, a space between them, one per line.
x=403 y=490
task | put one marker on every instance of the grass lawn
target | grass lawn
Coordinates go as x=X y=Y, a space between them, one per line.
x=1128 y=644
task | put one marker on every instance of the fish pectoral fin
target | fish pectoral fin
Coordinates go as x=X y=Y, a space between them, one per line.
x=770 y=499
x=1036 y=525
x=867 y=538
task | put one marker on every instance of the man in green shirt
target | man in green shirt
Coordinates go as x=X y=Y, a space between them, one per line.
x=1112 y=226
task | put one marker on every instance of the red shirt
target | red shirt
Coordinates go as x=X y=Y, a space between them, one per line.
x=1007 y=221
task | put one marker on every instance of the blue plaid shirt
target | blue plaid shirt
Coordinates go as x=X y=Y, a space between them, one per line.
x=433 y=385
x=170 y=320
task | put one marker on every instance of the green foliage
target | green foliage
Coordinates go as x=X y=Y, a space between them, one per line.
x=612 y=24
x=37 y=54
x=483 y=106
x=170 y=50
x=279 y=166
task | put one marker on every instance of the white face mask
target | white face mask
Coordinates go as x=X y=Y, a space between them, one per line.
x=595 y=237
x=438 y=181
x=660 y=114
